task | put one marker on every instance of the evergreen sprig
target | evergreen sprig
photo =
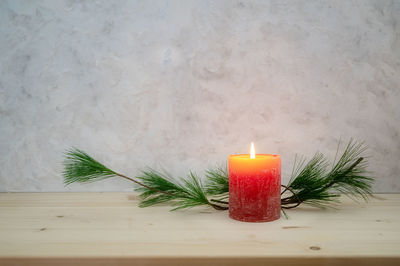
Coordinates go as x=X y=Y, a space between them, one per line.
x=217 y=181
x=313 y=184
x=154 y=186
x=80 y=167
x=187 y=193
x=310 y=183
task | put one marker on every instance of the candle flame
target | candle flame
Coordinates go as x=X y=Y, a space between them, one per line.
x=252 y=151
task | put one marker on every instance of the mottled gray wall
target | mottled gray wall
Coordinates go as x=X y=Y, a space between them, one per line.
x=182 y=84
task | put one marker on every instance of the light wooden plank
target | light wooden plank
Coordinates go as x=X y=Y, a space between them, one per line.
x=47 y=227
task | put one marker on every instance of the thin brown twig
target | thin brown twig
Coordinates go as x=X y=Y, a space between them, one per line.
x=285 y=201
x=143 y=185
x=220 y=201
x=218 y=207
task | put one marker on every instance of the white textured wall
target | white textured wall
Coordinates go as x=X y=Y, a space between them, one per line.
x=183 y=84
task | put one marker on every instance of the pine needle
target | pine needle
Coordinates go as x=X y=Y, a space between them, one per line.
x=80 y=167
x=217 y=181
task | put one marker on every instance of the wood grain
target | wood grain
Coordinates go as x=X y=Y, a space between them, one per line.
x=109 y=229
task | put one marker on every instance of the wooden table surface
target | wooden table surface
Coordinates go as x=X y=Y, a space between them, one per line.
x=109 y=229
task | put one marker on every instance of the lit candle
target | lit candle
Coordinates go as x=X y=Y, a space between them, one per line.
x=254 y=187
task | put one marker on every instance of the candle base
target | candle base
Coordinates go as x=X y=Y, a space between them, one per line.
x=250 y=219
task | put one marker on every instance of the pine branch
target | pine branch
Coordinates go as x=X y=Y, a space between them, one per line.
x=187 y=193
x=313 y=184
x=155 y=187
x=80 y=167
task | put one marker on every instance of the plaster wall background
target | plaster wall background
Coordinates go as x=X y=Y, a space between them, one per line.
x=181 y=85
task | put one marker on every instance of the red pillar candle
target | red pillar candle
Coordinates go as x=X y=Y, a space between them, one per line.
x=254 y=187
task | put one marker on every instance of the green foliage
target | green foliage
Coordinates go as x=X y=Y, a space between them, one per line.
x=160 y=182
x=307 y=182
x=217 y=181
x=311 y=183
x=188 y=193
x=155 y=187
x=80 y=167
x=195 y=192
x=317 y=186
